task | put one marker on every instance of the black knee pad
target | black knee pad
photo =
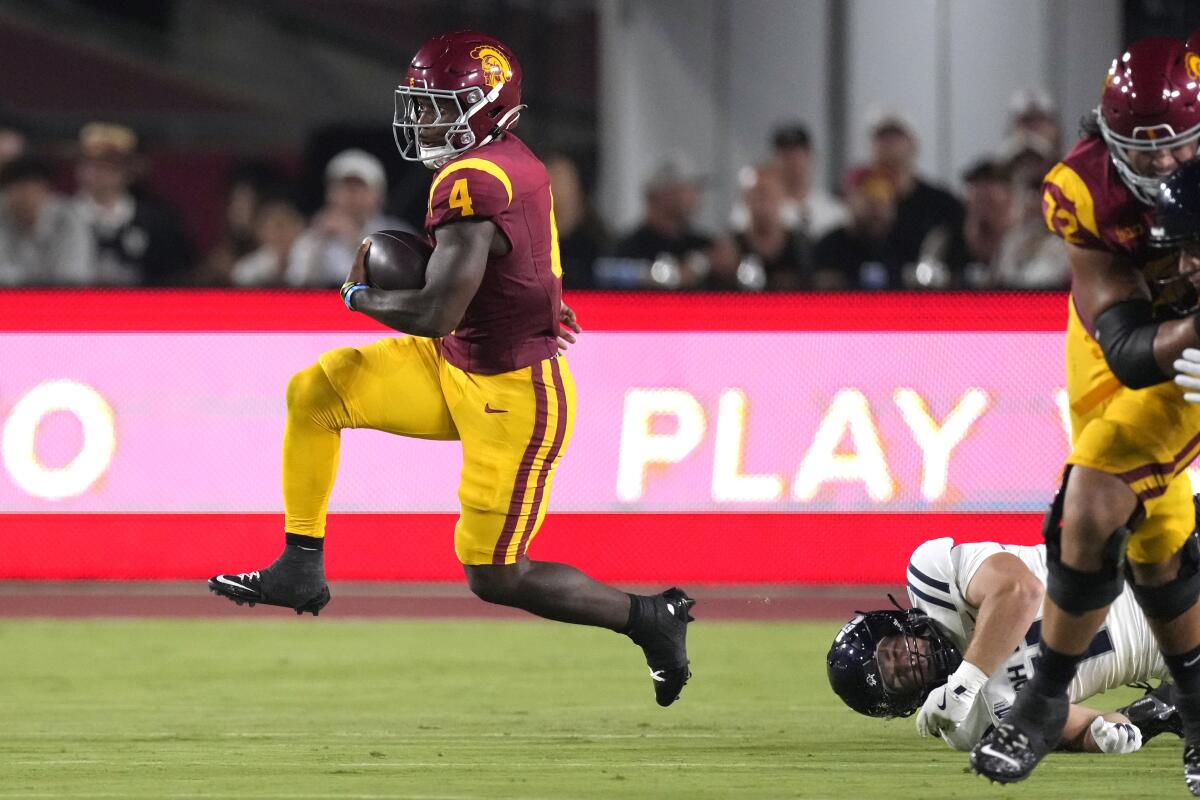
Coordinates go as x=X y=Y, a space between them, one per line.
x=1166 y=602
x=1075 y=591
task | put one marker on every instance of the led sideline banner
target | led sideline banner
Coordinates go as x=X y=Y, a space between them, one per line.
x=771 y=429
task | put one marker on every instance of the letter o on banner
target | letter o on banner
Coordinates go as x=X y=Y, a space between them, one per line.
x=18 y=440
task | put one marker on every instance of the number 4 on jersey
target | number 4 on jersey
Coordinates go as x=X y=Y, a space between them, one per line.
x=460 y=198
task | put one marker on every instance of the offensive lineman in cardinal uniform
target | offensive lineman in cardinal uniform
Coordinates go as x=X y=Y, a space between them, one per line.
x=1125 y=507
x=480 y=365
x=969 y=643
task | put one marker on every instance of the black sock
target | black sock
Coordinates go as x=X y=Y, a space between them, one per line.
x=640 y=613
x=1185 y=669
x=302 y=561
x=1188 y=705
x=304 y=543
x=1054 y=672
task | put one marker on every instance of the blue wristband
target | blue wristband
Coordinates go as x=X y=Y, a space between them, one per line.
x=348 y=294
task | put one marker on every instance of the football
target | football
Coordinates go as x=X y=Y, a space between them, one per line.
x=397 y=260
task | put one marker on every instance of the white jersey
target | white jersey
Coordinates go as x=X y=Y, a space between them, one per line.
x=1123 y=651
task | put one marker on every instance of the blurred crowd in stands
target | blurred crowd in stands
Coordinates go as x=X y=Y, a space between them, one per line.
x=887 y=228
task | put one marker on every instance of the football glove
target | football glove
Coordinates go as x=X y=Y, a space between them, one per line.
x=1188 y=368
x=947 y=706
x=1116 y=737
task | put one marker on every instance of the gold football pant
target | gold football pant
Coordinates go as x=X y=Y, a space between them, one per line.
x=1145 y=437
x=513 y=427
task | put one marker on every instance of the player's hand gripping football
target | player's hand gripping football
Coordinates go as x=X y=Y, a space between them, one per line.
x=947 y=706
x=358 y=272
x=568 y=327
x=1188 y=368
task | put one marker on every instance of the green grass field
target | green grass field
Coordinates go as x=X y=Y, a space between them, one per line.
x=444 y=710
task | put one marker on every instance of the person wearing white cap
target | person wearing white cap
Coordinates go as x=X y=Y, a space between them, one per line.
x=355 y=190
x=921 y=208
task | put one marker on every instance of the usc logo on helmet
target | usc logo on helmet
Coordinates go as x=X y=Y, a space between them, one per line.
x=495 y=65
x=1192 y=62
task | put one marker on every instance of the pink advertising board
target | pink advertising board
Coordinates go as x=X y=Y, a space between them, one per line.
x=718 y=439
x=678 y=422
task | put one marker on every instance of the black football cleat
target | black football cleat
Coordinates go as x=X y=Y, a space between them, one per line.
x=662 y=635
x=1191 y=768
x=1155 y=712
x=260 y=586
x=1019 y=743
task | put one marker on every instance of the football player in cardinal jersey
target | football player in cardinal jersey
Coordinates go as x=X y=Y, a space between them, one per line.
x=481 y=365
x=959 y=655
x=1125 y=505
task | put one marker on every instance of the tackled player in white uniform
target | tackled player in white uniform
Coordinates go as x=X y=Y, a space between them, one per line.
x=958 y=657
x=940 y=574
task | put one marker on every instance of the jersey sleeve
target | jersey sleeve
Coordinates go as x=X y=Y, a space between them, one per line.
x=469 y=189
x=931 y=576
x=1069 y=208
x=968 y=558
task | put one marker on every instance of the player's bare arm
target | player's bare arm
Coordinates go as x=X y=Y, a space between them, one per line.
x=1113 y=302
x=1091 y=731
x=452 y=277
x=1008 y=596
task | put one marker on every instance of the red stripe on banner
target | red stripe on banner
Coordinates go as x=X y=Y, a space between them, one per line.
x=621 y=548
x=308 y=310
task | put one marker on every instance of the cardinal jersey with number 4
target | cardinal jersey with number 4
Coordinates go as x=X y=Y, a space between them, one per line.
x=1123 y=651
x=512 y=321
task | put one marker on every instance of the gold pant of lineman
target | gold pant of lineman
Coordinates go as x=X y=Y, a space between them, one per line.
x=513 y=427
x=1146 y=437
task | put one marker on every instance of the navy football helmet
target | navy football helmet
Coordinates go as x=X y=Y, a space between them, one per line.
x=1176 y=224
x=853 y=663
x=1177 y=208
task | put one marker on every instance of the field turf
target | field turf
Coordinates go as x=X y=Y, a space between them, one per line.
x=290 y=708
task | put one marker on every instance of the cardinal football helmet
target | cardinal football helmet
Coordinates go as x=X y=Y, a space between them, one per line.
x=1151 y=101
x=853 y=666
x=462 y=89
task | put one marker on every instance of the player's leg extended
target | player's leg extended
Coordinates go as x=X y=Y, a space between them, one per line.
x=1164 y=568
x=390 y=386
x=515 y=428
x=1086 y=533
x=1149 y=439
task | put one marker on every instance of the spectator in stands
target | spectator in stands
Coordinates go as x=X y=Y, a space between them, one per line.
x=1033 y=142
x=966 y=257
x=679 y=255
x=139 y=240
x=278 y=224
x=43 y=240
x=355 y=189
x=769 y=255
x=1030 y=256
x=13 y=143
x=807 y=207
x=582 y=236
x=1032 y=113
x=859 y=255
x=248 y=183
x=1029 y=157
x=921 y=207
